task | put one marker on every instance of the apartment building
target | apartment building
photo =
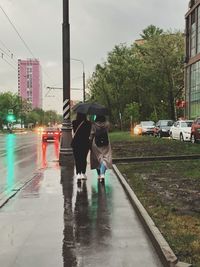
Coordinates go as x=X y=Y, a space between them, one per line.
x=30 y=82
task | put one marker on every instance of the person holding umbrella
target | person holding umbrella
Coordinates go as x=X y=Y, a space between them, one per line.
x=101 y=155
x=81 y=144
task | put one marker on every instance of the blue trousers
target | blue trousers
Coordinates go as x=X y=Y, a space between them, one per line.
x=102 y=169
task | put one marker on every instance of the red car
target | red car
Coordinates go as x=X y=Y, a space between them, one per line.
x=51 y=133
x=195 y=131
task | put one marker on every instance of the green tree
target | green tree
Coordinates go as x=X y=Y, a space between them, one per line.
x=151 y=31
x=114 y=83
x=131 y=113
x=23 y=112
x=32 y=118
x=150 y=75
x=50 y=117
x=8 y=101
x=163 y=75
x=38 y=117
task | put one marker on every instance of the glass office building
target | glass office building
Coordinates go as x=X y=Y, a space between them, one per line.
x=192 y=60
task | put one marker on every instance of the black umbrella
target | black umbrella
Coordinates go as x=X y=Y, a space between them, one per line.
x=90 y=108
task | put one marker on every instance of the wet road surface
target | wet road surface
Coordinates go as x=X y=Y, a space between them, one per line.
x=55 y=222
x=20 y=156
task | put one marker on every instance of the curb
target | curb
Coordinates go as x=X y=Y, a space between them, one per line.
x=167 y=256
x=155 y=158
x=4 y=199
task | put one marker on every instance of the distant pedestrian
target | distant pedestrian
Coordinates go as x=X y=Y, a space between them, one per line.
x=101 y=155
x=80 y=144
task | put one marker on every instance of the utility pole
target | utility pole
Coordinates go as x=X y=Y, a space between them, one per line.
x=65 y=146
x=81 y=61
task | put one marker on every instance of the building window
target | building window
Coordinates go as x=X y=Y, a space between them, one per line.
x=29 y=72
x=29 y=96
x=198 y=30
x=193 y=89
x=193 y=35
x=27 y=83
x=187 y=40
x=29 y=69
x=29 y=80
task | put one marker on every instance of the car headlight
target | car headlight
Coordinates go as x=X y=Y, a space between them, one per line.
x=185 y=132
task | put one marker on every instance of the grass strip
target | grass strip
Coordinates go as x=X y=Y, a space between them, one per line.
x=169 y=191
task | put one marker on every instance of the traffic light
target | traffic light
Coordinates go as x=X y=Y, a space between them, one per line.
x=10 y=118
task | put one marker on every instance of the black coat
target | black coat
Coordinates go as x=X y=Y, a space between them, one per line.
x=81 y=139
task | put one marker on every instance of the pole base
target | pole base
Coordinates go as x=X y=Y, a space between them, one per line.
x=66 y=153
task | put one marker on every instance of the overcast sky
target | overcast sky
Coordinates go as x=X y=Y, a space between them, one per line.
x=96 y=26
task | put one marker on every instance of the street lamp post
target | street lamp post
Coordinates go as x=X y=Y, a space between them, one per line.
x=65 y=146
x=81 y=61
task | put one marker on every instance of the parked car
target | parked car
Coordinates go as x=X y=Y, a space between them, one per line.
x=162 y=128
x=51 y=133
x=147 y=127
x=181 y=130
x=137 y=129
x=195 y=131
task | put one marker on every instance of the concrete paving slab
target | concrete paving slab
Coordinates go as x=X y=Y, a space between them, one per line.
x=55 y=222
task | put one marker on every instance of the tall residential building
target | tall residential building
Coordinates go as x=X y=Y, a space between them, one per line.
x=192 y=60
x=30 y=82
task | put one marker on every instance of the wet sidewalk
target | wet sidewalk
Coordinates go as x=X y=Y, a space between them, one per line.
x=55 y=222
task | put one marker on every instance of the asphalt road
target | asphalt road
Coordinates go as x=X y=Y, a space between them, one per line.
x=21 y=155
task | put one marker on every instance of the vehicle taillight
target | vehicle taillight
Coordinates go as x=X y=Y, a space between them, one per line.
x=56 y=133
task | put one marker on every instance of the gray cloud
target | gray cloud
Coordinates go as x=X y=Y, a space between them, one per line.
x=95 y=27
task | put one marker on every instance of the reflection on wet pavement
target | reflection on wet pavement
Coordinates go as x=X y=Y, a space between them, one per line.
x=102 y=224
x=99 y=227
x=69 y=246
x=23 y=155
x=55 y=222
x=45 y=151
x=10 y=160
x=87 y=225
x=33 y=188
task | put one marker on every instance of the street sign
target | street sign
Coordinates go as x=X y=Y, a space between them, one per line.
x=10 y=111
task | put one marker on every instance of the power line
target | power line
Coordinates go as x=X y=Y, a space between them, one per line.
x=3 y=58
x=21 y=38
x=9 y=64
x=19 y=35
x=5 y=46
x=10 y=56
x=4 y=52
